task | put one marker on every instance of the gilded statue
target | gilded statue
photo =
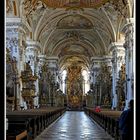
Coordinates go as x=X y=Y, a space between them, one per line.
x=122 y=72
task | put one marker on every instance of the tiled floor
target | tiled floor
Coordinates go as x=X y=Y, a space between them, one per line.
x=74 y=125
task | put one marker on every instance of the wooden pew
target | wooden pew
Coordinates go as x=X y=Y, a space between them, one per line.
x=107 y=119
x=21 y=136
x=33 y=121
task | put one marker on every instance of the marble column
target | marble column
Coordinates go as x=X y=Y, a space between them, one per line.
x=15 y=42
x=61 y=81
x=108 y=61
x=52 y=66
x=22 y=48
x=41 y=61
x=39 y=72
x=129 y=51
x=32 y=51
x=118 y=59
x=96 y=65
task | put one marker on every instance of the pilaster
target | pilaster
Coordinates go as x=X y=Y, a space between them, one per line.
x=96 y=64
x=130 y=58
x=118 y=58
x=16 y=32
x=32 y=52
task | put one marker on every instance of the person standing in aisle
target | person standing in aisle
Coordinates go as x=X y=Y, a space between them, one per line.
x=126 y=123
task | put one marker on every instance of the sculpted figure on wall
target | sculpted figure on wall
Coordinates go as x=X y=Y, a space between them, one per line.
x=8 y=6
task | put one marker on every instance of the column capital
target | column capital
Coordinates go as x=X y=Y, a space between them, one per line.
x=116 y=46
x=101 y=59
x=107 y=57
x=52 y=62
x=128 y=27
x=33 y=45
x=42 y=58
x=130 y=20
x=119 y=51
x=95 y=59
x=108 y=60
x=52 y=58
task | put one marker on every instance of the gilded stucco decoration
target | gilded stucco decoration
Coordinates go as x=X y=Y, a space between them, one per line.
x=31 y=6
x=8 y=6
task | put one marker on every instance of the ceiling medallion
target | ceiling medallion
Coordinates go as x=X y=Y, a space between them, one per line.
x=74 y=3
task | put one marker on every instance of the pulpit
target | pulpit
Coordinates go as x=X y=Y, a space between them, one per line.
x=28 y=90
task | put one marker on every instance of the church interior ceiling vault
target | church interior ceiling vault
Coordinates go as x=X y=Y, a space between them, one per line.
x=72 y=29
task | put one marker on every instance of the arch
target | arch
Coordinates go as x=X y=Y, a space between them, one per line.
x=56 y=17
x=59 y=46
x=113 y=30
x=64 y=61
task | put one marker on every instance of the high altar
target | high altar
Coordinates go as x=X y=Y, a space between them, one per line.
x=74 y=87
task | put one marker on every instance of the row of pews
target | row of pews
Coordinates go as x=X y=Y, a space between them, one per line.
x=27 y=124
x=107 y=119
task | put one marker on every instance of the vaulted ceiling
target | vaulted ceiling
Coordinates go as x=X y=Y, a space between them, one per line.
x=73 y=30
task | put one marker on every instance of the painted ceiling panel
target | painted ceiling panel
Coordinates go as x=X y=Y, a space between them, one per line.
x=74 y=3
x=74 y=22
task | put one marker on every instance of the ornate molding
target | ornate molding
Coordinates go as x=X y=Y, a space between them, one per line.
x=18 y=25
x=12 y=42
x=41 y=61
x=8 y=6
x=52 y=63
x=31 y=6
x=128 y=27
x=12 y=31
x=76 y=35
x=33 y=45
x=14 y=22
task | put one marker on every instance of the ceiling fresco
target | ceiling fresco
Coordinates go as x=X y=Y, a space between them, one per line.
x=74 y=49
x=73 y=30
x=74 y=3
x=73 y=60
x=74 y=22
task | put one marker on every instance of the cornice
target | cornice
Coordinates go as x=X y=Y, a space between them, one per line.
x=14 y=22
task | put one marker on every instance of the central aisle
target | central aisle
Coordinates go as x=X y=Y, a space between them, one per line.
x=74 y=125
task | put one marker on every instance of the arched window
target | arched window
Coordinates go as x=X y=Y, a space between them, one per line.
x=86 y=84
x=64 y=74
